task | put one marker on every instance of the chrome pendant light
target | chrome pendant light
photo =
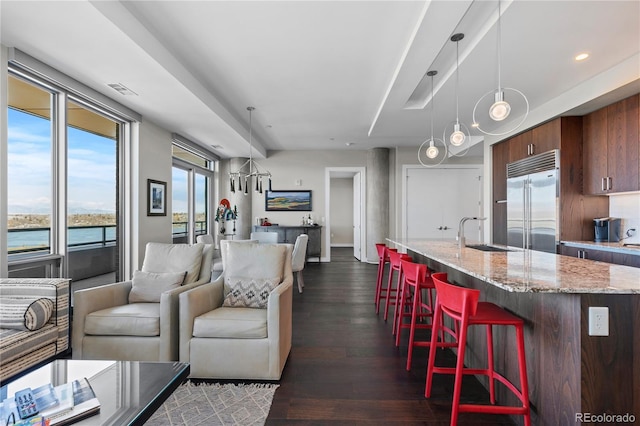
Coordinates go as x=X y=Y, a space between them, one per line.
x=254 y=169
x=457 y=133
x=502 y=106
x=432 y=152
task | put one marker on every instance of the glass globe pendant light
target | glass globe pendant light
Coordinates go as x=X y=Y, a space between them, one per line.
x=460 y=133
x=435 y=150
x=500 y=109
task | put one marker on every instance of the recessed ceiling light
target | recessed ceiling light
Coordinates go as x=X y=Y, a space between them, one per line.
x=348 y=143
x=581 y=56
x=216 y=146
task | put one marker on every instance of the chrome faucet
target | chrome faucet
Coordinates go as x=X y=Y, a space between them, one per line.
x=460 y=237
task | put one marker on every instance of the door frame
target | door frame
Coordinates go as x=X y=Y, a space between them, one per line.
x=341 y=172
x=405 y=174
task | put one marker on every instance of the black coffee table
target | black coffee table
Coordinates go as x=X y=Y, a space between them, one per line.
x=129 y=391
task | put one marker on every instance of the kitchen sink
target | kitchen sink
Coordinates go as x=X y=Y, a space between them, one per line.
x=485 y=247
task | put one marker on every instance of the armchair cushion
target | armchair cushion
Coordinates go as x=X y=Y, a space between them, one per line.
x=148 y=286
x=27 y=314
x=232 y=323
x=248 y=292
x=260 y=261
x=134 y=319
x=160 y=257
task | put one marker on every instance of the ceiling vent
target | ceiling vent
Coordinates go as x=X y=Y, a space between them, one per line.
x=122 y=89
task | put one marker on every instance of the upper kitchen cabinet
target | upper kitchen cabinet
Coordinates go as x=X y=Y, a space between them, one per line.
x=611 y=140
x=536 y=141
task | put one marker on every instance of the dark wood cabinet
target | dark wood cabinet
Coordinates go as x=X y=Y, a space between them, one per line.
x=576 y=212
x=546 y=137
x=594 y=139
x=602 y=255
x=612 y=148
x=499 y=200
x=623 y=145
x=519 y=146
x=288 y=234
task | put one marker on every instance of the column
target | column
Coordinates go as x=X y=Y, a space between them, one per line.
x=377 y=200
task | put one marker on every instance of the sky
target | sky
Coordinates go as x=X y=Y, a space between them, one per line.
x=91 y=168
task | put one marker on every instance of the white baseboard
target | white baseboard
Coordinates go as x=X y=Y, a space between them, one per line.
x=342 y=245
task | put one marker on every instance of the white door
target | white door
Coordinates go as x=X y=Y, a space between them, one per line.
x=436 y=200
x=357 y=208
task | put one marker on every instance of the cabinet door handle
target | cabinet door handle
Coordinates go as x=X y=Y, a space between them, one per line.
x=602 y=184
x=445 y=228
x=439 y=228
x=609 y=184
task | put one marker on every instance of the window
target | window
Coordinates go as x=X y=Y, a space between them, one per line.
x=193 y=174
x=30 y=147
x=63 y=182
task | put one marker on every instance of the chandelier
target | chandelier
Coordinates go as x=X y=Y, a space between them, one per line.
x=255 y=173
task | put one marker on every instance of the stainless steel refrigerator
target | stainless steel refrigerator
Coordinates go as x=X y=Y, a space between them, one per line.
x=532 y=202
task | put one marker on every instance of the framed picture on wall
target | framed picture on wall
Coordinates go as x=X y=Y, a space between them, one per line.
x=287 y=201
x=156 y=198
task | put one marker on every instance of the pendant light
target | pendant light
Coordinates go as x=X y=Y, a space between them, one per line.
x=500 y=108
x=432 y=151
x=458 y=134
x=254 y=169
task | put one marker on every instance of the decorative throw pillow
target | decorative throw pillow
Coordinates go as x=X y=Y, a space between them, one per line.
x=25 y=314
x=249 y=292
x=148 y=286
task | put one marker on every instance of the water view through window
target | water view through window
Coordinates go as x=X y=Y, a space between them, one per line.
x=32 y=185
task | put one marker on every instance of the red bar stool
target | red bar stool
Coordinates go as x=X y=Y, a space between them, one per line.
x=392 y=292
x=461 y=304
x=383 y=259
x=416 y=279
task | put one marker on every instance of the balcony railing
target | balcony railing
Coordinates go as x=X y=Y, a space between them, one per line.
x=24 y=240
x=180 y=229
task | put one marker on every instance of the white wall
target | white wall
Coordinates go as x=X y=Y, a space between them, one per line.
x=627 y=208
x=341 y=212
x=154 y=154
x=288 y=166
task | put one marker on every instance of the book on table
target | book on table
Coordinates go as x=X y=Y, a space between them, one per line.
x=60 y=405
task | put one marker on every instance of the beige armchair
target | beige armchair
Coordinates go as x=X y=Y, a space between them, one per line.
x=137 y=320
x=220 y=335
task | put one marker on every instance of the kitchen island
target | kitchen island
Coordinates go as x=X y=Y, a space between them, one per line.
x=570 y=372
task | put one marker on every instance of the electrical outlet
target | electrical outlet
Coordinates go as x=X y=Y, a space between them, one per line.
x=598 y=321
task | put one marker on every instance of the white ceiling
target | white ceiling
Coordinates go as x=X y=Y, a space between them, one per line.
x=322 y=74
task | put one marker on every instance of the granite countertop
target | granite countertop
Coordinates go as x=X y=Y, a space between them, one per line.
x=611 y=247
x=528 y=270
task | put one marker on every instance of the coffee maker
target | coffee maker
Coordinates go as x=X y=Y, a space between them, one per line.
x=607 y=230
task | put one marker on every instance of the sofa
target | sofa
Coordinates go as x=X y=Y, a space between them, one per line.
x=34 y=322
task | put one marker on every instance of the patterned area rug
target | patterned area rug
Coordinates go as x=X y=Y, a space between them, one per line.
x=216 y=404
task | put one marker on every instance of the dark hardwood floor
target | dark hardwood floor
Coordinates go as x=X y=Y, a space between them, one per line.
x=344 y=367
